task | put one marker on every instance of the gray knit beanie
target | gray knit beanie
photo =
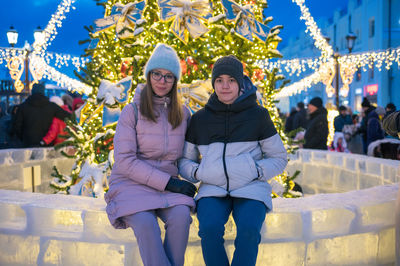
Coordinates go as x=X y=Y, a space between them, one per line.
x=228 y=65
x=165 y=57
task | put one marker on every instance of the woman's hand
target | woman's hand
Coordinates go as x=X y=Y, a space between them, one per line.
x=180 y=186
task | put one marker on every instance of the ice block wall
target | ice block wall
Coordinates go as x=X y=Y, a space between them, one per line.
x=30 y=169
x=353 y=224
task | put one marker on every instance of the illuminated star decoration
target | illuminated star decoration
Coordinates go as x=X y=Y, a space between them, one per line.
x=246 y=23
x=187 y=16
x=123 y=18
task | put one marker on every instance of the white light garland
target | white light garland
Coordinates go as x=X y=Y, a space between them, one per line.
x=65 y=81
x=65 y=60
x=50 y=31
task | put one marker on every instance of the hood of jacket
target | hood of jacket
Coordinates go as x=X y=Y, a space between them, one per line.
x=246 y=99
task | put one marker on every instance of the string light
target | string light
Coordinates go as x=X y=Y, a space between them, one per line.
x=50 y=31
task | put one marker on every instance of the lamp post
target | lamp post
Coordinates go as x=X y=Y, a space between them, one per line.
x=12 y=36
x=350 y=39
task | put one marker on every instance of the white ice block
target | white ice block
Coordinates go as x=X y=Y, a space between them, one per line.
x=381 y=214
x=319 y=175
x=53 y=222
x=19 y=250
x=332 y=221
x=98 y=227
x=359 y=249
x=386 y=247
x=59 y=252
x=368 y=181
x=12 y=217
x=282 y=225
x=281 y=254
x=345 y=180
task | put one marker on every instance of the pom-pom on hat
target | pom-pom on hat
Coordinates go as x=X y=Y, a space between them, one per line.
x=228 y=65
x=316 y=101
x=165 y=57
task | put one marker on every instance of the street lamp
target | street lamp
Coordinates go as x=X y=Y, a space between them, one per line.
x=350 y=39
x=12 y=36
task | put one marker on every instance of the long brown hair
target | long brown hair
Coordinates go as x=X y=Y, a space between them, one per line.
x=175 y=112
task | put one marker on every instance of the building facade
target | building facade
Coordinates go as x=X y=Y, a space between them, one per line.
x=376 y=24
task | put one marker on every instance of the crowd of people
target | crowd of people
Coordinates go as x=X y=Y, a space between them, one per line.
x=216 y=162
x=356 y=133
x=38 y=121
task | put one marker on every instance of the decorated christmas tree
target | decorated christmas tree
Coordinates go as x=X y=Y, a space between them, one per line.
x=120 y=45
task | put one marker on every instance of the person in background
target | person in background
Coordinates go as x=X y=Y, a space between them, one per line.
x=68 y=100
x=316 y=136
x=289 y=121
x=57 y=127
x=233 y=149
x=300 y=118
x=144 y=183
x=374 y=128
x=390 y=108
x=367 y=108
x=35 y=115
x=342 y=119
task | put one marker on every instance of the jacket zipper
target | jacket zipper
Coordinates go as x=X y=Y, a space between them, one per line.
x=224 y=151
x=165 y=127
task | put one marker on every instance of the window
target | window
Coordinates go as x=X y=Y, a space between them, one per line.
x=371 y=27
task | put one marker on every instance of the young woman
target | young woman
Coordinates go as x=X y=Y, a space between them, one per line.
x=240 y=151
x=149 y=139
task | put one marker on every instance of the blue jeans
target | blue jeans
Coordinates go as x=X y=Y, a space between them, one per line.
x=213 y=213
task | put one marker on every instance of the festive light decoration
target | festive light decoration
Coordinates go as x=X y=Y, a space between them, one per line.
x=123 y=18
x=16 y=67
x=187 y=17
x=50 y=31
x=65 y=81
x=65 y=60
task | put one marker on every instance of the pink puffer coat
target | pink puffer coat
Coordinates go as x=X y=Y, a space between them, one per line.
x=145 y=157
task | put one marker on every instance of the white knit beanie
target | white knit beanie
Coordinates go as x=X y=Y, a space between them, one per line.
x=165 y=57
x=57 y=100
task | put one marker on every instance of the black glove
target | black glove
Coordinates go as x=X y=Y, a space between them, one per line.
x=180 y=186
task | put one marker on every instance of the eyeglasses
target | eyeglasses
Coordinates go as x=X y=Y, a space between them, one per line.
x=168 y=78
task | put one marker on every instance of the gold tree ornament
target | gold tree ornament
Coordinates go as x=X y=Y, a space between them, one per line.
x=188 y=17
x=16 y=67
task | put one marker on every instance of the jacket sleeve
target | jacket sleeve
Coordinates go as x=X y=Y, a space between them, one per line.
x=125 y=154
x=189 y=163
x=53 y=132
x=274 y=158
x=61 y=113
